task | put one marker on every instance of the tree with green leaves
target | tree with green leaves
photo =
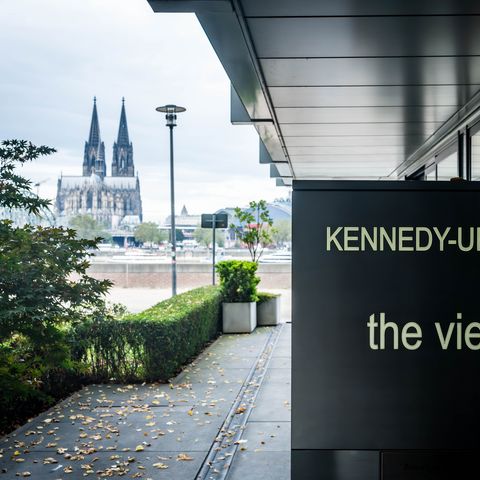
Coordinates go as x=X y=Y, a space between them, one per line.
x=88 y=228
x=37 y=291
x=255 y=227
x=282 y=232
x=204 y=236
x=44 y=286
x=148 y=232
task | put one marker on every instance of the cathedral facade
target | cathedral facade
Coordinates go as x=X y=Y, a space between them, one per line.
x=113 y=201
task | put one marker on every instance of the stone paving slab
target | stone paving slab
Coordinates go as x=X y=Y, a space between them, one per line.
x=278 y=375
x=104 y=465
x=273 y=404
x=260 y=466
x=281 y=362
x=267 y=433
x=188 y=429
x=97 y=431
x=268 y=436
x=282 y=351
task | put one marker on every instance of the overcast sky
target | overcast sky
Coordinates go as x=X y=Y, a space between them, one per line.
x=57 y=55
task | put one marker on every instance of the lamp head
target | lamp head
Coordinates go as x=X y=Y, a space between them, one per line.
x=170 y=113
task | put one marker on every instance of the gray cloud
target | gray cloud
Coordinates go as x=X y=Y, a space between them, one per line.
x=58 y=54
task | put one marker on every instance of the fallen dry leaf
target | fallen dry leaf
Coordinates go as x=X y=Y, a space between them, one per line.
x=184 y=457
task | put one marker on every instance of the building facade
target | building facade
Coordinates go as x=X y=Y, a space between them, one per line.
x=111 y=200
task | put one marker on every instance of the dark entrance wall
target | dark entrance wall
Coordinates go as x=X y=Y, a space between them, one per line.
x=360 y=412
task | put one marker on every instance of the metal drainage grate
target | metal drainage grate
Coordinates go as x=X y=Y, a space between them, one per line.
x=220 y=456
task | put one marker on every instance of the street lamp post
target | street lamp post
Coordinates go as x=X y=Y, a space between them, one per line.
x=171 y=118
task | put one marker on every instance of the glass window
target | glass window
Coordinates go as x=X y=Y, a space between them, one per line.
x=476 y=155
x=447 y=168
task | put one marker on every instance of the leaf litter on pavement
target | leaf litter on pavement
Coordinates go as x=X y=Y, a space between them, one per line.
x=82 y=436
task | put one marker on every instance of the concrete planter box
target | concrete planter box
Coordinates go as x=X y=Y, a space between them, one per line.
x=268 y=312
x=239 y=317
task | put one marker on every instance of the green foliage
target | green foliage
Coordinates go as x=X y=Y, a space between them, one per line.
x=238 y=281
x=282 y=232
x=37 y=292
x=151 y=345
x=204 y=236
x=148 y=232
x=255 y=229
x=29 y=382
x=265 y=296
x=88 y=228
x=44 y=288
x=16 y=191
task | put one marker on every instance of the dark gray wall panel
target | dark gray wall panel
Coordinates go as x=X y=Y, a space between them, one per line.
x=347 y=396
x=328 y=465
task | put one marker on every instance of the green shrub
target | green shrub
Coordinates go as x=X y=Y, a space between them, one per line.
x=152 y=345
x=264 y=296
x=39 y=298
x=238 y=281
x=29 y=383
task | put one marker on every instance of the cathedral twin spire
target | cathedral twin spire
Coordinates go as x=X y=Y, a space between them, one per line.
x=94 y=156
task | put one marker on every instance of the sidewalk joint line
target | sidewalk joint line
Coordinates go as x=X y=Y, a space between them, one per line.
x=219 y=459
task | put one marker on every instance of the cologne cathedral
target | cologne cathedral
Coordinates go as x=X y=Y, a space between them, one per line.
x=112 y=201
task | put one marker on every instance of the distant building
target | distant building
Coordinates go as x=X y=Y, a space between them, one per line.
x=113 y=201
x=280 y=209
x=184 y=222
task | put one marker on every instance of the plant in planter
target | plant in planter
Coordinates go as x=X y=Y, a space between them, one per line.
x=268 y=309
x=255 y=227
x=238 y=283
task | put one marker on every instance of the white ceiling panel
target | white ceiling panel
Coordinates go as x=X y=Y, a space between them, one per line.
x=435 y=114
x=269 y=8
x=342 y=170
x=347 y=150
x=371 y=71
x=348 y=88
x=351 y=141
x=369 y=129
x=359 y=159
x=373 y=96
x=365 y=36
x=283 y=169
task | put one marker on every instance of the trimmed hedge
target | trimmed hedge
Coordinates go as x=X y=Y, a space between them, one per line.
x=238 y=282
x=152 y=345
x=264 y=296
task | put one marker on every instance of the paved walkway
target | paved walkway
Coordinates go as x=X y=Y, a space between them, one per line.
x=159 y=431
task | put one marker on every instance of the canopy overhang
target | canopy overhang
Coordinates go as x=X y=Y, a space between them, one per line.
x=346 y=89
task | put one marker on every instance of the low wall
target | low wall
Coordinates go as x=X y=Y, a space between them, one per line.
x=189 y=275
